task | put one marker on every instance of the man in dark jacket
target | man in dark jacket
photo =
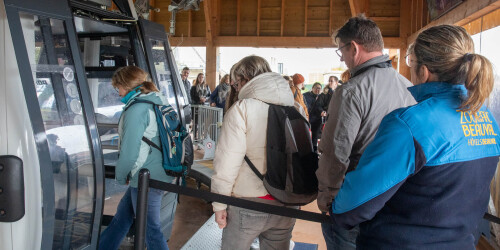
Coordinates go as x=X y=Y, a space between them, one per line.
x=311 y=96
x=311 y=99
x=354 y=114
x=185 y=82
x=324 y=98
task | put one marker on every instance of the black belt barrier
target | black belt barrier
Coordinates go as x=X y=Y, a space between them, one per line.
x=142 y=199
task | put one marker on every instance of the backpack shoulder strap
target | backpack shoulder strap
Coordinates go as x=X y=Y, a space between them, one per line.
x=138 y=101
x=254 y=169
x=150 y=143
x=144 y=139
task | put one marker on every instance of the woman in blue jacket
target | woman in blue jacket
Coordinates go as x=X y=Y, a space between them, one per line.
x=423 y=183
x=137 y=121
x=220 y=94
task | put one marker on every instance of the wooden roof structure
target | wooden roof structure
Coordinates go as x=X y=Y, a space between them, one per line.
x=304 y=23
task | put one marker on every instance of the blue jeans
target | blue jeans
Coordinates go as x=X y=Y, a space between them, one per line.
x=337 y=238
x=113 y=235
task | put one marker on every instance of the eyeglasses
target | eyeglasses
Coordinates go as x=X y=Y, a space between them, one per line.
x=408 y=60
x=339 y=50
x=238 y=81
x=116 y=89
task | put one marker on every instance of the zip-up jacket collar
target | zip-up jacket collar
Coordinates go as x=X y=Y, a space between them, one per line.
x=371 y=62
x=423 y=91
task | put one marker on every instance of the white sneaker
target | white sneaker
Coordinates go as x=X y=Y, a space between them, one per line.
x=255 y=244
x=292 y=244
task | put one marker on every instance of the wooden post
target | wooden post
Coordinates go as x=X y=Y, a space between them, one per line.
x=238 y=17
x=305 y=17
x=212 y=72
x=405 y=27
x=330 y=19
x=282 y=16
x=258 y=17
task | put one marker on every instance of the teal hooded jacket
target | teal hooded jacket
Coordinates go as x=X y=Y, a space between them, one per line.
x=135 y=122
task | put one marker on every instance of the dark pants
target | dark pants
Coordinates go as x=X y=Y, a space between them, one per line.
x=337 y=238
x=316 y=132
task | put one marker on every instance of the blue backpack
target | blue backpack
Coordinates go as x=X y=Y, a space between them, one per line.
x=175 y=142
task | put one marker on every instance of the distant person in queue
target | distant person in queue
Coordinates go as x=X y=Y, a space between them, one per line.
x=138 y=121
x=185 y=82
x=200 y=92
x=424 y=181
x=296 y=88
x=324 y=98
x=244 y=133
x=354 y=114
x=311 y=96
x=220 y=94
x=311 y=99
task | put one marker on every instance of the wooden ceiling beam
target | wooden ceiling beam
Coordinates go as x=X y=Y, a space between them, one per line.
x=358 y=7
x=270 y=42
x=209 y=19
x=385 y=18
x=462 y=14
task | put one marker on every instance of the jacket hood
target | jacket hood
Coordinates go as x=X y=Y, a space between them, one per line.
x=155 y=97
x=268 y=87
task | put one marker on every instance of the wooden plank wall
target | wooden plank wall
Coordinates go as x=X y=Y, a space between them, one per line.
x=279 y=18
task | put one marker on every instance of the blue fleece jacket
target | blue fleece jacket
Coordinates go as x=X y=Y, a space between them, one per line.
x=423 y=183
x=137 y=121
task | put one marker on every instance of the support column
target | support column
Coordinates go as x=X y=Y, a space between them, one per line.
x=212 y=65
x=404 y=33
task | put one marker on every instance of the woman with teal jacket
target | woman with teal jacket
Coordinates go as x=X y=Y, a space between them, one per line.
x=137 y=121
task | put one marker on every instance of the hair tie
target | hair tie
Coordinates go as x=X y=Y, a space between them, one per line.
x=468 y=57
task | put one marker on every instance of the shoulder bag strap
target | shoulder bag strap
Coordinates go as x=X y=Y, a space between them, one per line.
x=254 y=169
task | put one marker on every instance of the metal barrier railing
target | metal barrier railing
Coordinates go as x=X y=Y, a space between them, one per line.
x=207 y=122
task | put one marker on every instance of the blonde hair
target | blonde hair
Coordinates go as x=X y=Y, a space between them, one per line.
x=448 y=52
x=250 y=67
x=130 y=77
x=224 y=78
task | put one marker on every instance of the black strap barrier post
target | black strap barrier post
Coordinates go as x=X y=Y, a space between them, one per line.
x=142 y=209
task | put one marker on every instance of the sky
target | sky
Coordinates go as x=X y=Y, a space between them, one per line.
x=301 y=61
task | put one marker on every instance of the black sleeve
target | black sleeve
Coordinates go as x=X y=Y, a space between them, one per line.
x=194 y=96
x=319 y=104
x=326 y=101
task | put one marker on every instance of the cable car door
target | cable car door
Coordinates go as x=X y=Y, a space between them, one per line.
x=163 y=67
x=63 y=121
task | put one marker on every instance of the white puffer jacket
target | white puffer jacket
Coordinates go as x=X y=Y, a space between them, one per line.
x=244 y=133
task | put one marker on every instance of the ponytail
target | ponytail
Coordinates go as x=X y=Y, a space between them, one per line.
x=479 y=81
x=148 y=87
x=447 y=51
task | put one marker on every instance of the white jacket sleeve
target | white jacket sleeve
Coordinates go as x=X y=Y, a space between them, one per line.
x=230 y=152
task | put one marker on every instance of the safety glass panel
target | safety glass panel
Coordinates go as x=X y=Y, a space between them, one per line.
x=59 y=101
x=163 y=71
x=103 y=55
